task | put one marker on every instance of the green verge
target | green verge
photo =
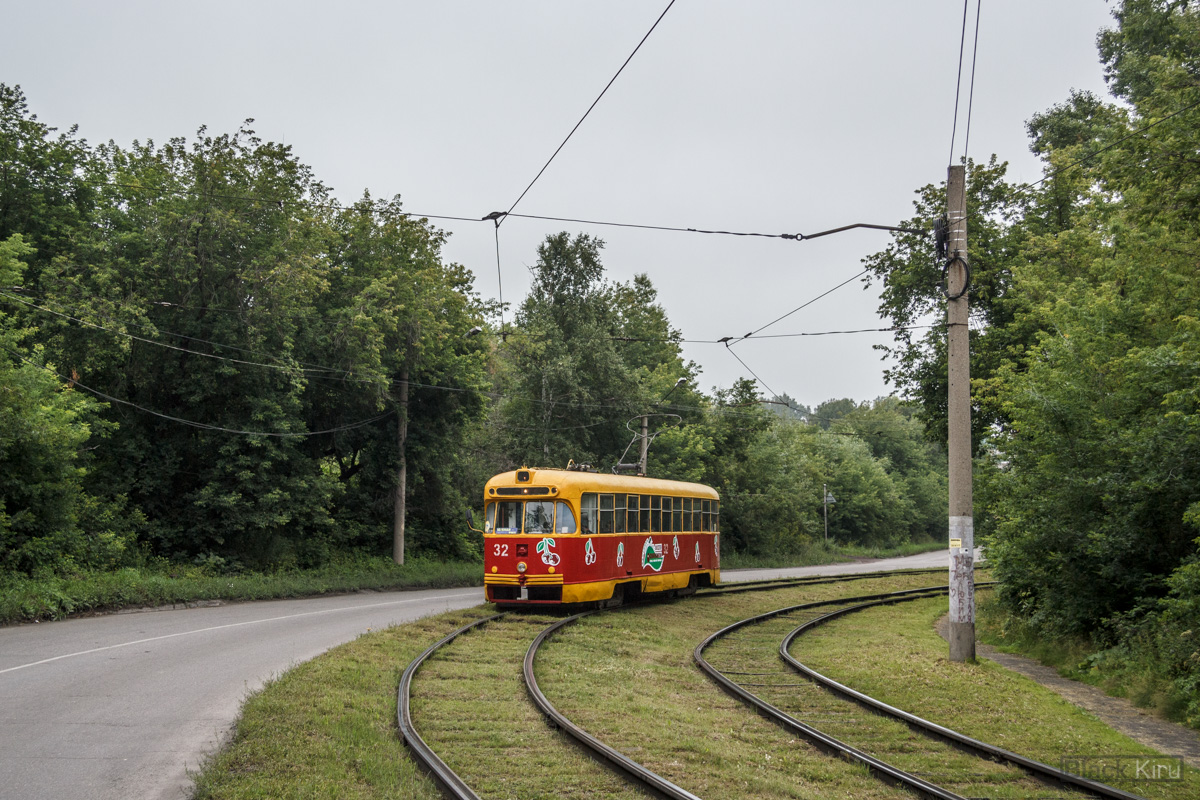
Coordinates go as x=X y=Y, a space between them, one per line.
x=818 y=553
x=894 y=654
x=27 y=599
x=327 y=728
x=1124 y=671
x=24 y=599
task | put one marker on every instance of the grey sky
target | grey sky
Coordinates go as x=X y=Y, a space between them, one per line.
x=761 y=115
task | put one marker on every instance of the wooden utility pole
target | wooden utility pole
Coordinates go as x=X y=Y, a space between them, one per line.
x=958 y=357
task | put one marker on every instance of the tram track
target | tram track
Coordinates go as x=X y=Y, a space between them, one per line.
x=988 y=777
x=454 y=785
x=755 y=652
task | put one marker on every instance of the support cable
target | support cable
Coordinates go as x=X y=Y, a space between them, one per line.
x=589 y=111
x=971 y=93
x=958 y=80
x=191 y=423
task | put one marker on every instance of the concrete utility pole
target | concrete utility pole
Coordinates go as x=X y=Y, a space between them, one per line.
x=398 y=502
x=645 y=445
x=826 y=500
x=958 y=357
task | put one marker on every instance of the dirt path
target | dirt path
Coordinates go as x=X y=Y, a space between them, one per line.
x=1138 y=724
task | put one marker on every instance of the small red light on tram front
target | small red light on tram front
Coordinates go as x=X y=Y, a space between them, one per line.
x=522 y=550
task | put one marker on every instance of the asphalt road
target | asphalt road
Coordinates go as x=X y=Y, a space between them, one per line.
x=121 y=707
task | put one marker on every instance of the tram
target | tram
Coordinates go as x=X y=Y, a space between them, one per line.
x=568 y=536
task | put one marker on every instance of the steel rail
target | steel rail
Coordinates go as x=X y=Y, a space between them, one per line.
x=924 y=726
x=808 y=580
x=452 y=784
x=641 y=775
x=880 y=769
x=447 y=778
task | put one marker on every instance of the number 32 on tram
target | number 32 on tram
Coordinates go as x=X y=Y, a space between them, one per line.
x=554 y=536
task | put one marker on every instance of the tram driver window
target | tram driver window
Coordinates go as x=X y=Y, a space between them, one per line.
x=564 y=518
x=489 y=518
x=508 y=516
x=588 y=513
x=539 y=516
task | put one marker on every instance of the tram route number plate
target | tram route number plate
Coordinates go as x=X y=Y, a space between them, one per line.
x=955 y=543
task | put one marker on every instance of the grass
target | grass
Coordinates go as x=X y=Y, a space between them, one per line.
x=24 y=599
x=819 y=553
x=470 y=705
x=897 y=657
x=1127 y=674
x=327 y=729
x=628 y=678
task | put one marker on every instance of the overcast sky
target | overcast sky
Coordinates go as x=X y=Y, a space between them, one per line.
x=775 y=116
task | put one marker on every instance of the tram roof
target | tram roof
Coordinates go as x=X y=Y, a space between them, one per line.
x=579 y=481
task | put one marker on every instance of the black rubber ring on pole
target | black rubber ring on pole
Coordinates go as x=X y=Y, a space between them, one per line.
x=946 y=276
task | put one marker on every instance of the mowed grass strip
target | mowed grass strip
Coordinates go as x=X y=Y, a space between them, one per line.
x=470 y=705
x=751 y=656
x=327 y=728
x=627 y=677
x=893 y=653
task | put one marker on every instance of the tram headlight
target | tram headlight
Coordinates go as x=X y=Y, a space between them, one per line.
x=520 y=566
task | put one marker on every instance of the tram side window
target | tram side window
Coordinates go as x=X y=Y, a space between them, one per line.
x=508 y=516
x=633 y=514
x=644 y=518
x=696 y=513
x=564 y=518
x=539 y=516
x=655 y=514
x=606 y=513
x=588 y=513
x=687 y=514
x=677 y=516
x=666 y=515
x=717 y=515
x=620 y=515
x=707 y=518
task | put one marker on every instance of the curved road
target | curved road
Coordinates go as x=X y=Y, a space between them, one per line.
x=120 y=707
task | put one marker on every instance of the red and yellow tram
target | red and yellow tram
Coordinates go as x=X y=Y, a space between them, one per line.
x=568 y=536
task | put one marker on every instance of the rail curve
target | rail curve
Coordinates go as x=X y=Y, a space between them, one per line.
x=454 y=786
x=921 y=725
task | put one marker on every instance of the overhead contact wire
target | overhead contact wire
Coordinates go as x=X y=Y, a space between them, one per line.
x=188 y=422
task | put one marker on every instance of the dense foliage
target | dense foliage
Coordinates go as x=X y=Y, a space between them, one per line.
x=207 y=360
x=1085 y=357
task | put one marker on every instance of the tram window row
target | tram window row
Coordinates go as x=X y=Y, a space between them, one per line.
x=633 y=513
x=605 y=513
